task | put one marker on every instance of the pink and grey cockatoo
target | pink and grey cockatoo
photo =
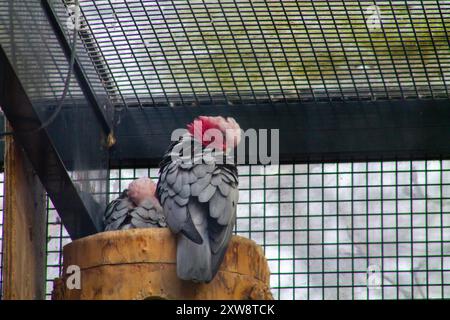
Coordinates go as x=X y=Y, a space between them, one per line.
x=199 y=195
x=137 y=207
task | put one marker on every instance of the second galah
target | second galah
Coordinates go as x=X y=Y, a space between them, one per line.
x=199 y=195
x=137 y=207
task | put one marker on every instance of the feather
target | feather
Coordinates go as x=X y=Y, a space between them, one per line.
x=216 y=205
x=224 y=189
x=192 y=177
x=180 y=200
x=207 y=193
x=198 y=186
x=185 y=191
x=164 y=195
x=216 y=179
x=229 y=213
x=122 y=204
x=178 y=184
x=171 y=177
x=171 y=192
x=176 y=215
x=199 y=170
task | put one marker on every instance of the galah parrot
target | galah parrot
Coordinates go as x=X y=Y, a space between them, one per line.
x=137 y=207
x=199 y=195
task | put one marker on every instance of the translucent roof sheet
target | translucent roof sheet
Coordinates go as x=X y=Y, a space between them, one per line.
x=223 y=51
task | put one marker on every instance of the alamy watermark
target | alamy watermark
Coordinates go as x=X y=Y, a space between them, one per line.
x=255 y=146
x=73 y=280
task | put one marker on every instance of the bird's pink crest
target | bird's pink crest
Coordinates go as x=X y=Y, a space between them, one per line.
x=201 y=129
x=141 y=189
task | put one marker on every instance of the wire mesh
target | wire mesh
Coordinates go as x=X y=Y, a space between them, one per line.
x=378 y=230
x=351 y=230
x=230 y=51
x=36 y=54
x=57 y=238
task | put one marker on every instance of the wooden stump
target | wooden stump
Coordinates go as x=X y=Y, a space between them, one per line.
x=141 y=264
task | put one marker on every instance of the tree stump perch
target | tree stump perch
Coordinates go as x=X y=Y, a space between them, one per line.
x=141 y=264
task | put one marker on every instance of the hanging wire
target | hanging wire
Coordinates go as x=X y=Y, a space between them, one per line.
x=59 y=106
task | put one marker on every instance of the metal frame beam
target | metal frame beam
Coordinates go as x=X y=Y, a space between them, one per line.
x=43 y=155
x=309 y=132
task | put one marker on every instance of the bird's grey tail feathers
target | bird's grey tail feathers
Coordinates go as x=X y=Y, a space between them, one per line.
x=197 y=262
x=194 y=260
x=219 y=253
x=190 y=231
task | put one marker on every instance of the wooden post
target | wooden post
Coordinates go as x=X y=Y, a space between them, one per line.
x=24 y=227
x=139 y=264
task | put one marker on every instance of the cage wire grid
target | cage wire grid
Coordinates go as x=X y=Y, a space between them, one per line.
x=228 y=51
x=376 y=230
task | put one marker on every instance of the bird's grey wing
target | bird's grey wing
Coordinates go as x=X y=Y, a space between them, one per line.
x=174 y=192
x=116 y=212
x=222 y=196
x=147 y=215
